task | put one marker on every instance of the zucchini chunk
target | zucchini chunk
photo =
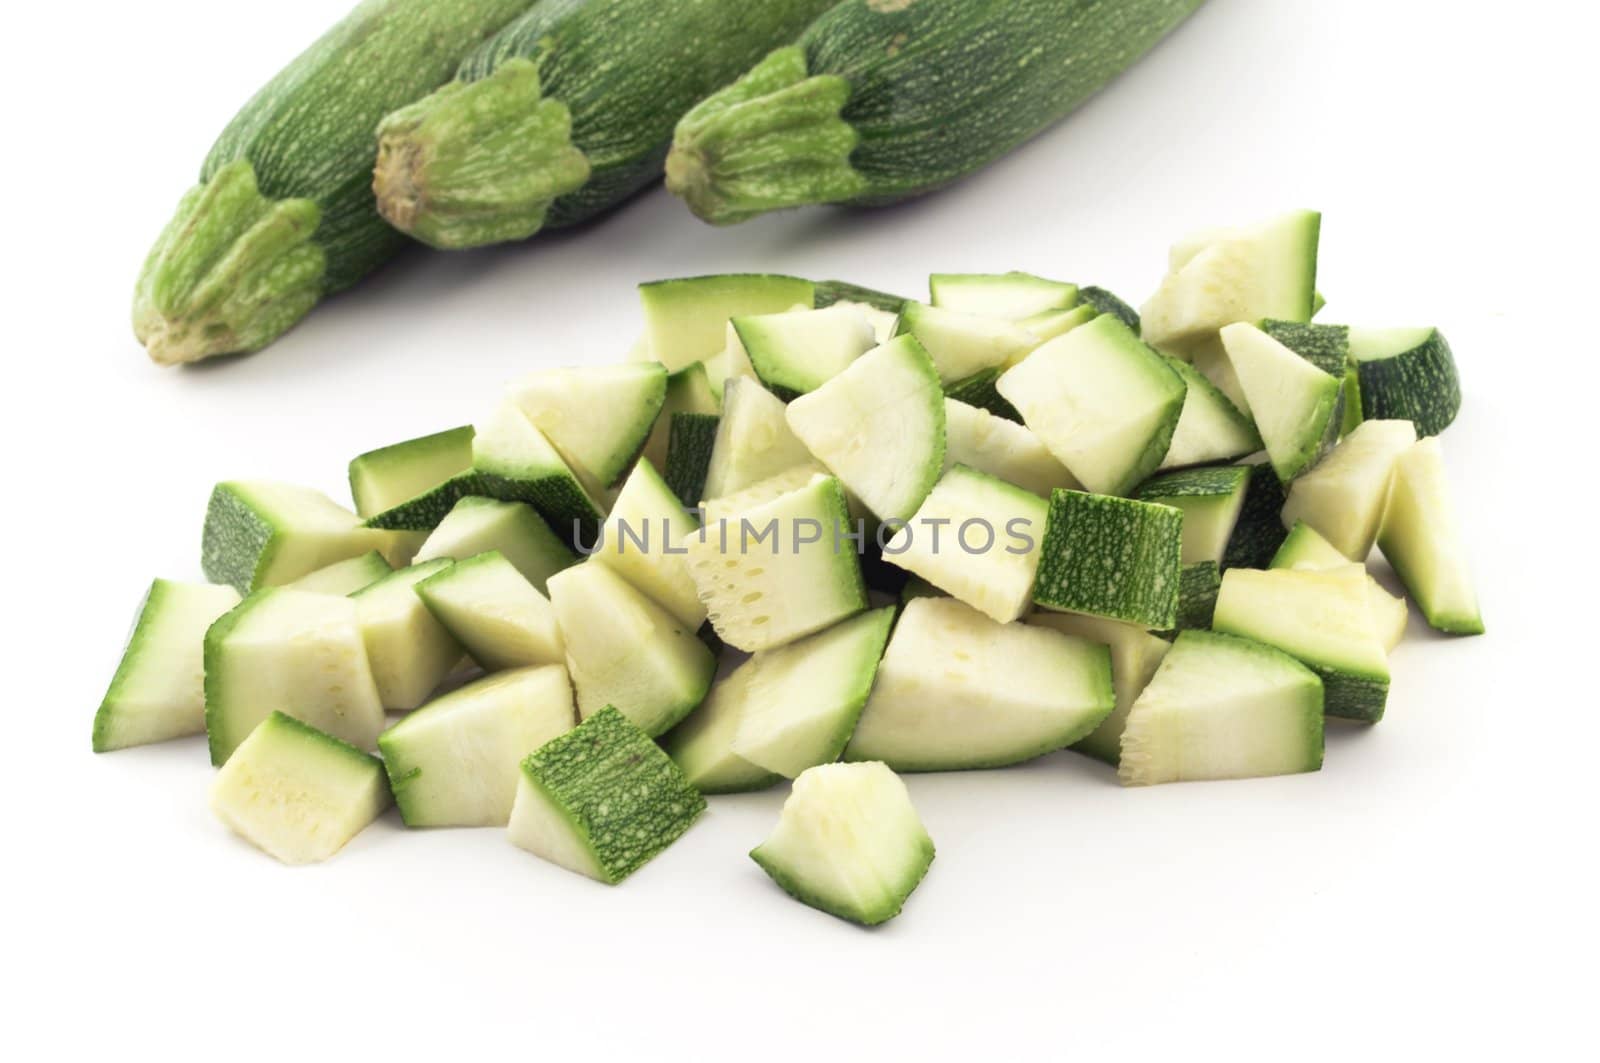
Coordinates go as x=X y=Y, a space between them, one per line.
x=688 y=391
x=643 y=540
x=1221 y=707
x=958 y=691
x=1211 y=428
x=1052 y=323
x=990 y=551
x=879 y=427
x=1007 y=296
x=978 y=390
x=1343 y=498
x=260 y=533
x=1111 y=557
x=1304 y=548
x=626 y=651
x=803 y=699
x=391 y=476
x=702 y=745
x=514 y=461
x=1421 y=537
x=1407 y=374
x=1328 y=348
x=1298 y=408
x=780 y=570
x=1324 y=618
x=597 y=417
x=753 y=441
x=848 y=843
x=602 y=800
x=686 y=319
x=1002 y=448
x=494 y=613
x=798 y=351
x=1104 y=302
x=515 y=531
x=1104 y=403
x=878 y=102
x=289 y=650
x=690 y=444
x=1210 y=500
x=296 y=793
x=1259 y=530
x=1220 y=277
x=1198 y=585
x=158 y=691
x=455 y=761
x=964 y=344
x=1135 y=655
x=830 y=292
x=409 y=651
x=344 y=578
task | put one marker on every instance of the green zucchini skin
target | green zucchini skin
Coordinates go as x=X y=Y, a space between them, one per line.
x=1259 y=531
x=300 y=154
x=624 y=70
x=932 y=91
x=1420 y=385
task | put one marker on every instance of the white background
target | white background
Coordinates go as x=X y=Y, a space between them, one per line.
x=1431 y=890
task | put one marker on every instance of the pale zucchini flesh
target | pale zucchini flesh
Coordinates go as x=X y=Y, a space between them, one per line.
x=515 y=530
x=1135 y=656
x=1343 y=497
x=409 y=651
x=1001 y=448
x=643 y=540
x=494 y=613
x=1422 y=538
x=702 y=745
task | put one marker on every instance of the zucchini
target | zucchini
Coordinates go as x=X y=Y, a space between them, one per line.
x=1211 y=500
x=1328 y=348
x=343 y=578
x=1135 y=656
x=409 y=651
x=702 y=745
x=494 y=613
x=880 y=101
x=1198 y=586
x=1407 y=374
x=1002 y=448
x=1010 y=296
x=1421 y=537
x=283 y=214
x=642 y=541
x=1298 y=407
x=689 y=447
x=261 y=533
x=1343 y=498
x=753 y=441
x=1259 y=531
x=1111 y=557
x=565 y=113
x=1211 y=428
x=962 y=343
x=798 y=351
x=1304 y=548
x=478 y=525
x=686 y=318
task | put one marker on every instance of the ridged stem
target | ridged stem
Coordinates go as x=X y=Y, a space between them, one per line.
x=477 y=162
x=231 y=272
x=771 y=140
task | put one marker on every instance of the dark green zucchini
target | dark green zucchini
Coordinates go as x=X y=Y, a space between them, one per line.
x=283 y=213
x=881 y=100
x=566 y=112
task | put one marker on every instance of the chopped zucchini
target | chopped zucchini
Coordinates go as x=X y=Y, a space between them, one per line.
x=828 y=293
x=763 y=491
x=513 y=461
x=626 y=651
x=1052 y=323
x=597 y=417
x=956 y=691
x=1407 y=374
x=778 y=571
x=976 y=537
x=296 y=793
x=158 y=691
x=601 y=800
x=1007 y=296
x=289 y=650
x=1221 y=707
x=1111 y=557
x=692 y=440
x=1421 y=537
x=879 y=427
x=1221 y=277
x=344 y=578
x=643 y=542
x=702 y=745
x=1198 y=585
x=798 y=351
x=803 y=699
x=1211 y=428
x=1323 y=618
x=264 y=534
x=1104 y=403
x=962 y=344
x=1135 y=655
x=1001 y=448
x=1298 y=408
x=1210 y=499
x=1328 y=348
x=1304 y=548
x=688 y=391
x=409 y=651
x=515 y=531
x=1344 y=496
x=1104 y=302
x=753 y=440
x=494 y=612
x=455 y=762
x=979 y=390
x=390 y=476
x=1259 y=530
x=685 y=318
x=848 y=843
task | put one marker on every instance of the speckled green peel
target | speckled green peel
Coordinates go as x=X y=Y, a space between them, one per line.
x=477 y=163
x=771 y=140
x=231 y=272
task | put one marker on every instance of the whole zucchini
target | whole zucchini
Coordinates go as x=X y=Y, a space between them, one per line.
x=566 y=112
x=283 y=213
x=881 y=100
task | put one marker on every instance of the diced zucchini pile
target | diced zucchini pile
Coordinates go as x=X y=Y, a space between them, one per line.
x=822 y=534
